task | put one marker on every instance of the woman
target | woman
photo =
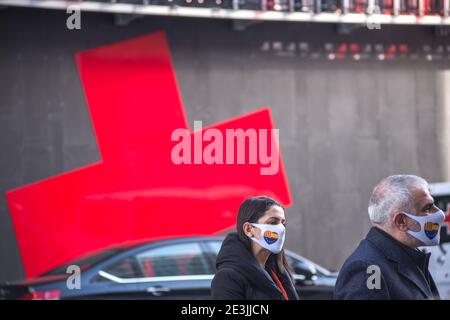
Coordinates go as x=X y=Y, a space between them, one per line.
x=251 y=263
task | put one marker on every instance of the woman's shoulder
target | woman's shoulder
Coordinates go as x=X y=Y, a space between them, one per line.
x=229 y=272
x=228 y=283
x=231 y=277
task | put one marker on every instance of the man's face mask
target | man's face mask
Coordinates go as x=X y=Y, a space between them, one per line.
x=272 y=236
x=430 y=227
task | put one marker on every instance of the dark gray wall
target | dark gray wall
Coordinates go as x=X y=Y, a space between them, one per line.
x=343 y=125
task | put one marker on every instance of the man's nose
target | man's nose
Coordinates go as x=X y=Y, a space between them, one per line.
x=435 y=209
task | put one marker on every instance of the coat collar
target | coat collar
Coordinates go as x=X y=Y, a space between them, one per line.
x=406 y=261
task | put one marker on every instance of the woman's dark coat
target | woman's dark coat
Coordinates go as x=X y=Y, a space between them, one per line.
x=240 y=277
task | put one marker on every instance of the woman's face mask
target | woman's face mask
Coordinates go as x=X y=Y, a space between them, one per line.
x=430 y=227
x=272 y=236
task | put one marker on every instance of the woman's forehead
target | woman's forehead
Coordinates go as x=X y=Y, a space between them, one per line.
x=275 y=211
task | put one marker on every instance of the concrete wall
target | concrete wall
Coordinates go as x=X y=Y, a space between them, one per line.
x=343 y=125
x=443 y=124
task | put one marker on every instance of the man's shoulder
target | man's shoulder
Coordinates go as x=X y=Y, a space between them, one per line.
x=365 y=254
x=352 y=281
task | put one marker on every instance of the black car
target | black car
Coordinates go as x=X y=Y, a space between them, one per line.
x=180 y=268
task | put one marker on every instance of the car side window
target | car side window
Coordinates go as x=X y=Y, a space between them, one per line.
x=169 y=260
x=126 y=268
x=173 y=260
x=212 y=251
x=214 y=247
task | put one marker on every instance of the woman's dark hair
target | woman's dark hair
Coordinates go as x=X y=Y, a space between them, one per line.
x=251 y=210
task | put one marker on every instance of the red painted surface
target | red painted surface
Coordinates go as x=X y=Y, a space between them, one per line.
x=135 y=191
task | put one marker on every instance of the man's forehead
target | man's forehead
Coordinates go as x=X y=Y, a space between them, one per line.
x=422 y=195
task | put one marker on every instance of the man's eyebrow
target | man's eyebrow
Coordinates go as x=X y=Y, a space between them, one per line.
x=428 y=205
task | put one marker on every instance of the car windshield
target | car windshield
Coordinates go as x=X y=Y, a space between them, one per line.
x=85 y=262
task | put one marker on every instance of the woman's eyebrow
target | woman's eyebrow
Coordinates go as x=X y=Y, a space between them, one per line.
x=277 y=219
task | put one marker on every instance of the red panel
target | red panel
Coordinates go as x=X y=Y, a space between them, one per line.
x=135 y=191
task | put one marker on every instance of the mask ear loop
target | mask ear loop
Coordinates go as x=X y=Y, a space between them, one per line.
x=251 y=224
x=407 y=215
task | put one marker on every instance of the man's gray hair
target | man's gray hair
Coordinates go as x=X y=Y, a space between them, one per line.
x=393 y=193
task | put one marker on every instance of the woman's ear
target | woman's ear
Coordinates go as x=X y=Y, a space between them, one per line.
x=247 y=229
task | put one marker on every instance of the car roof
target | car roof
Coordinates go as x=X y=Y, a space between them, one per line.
x=143 y=242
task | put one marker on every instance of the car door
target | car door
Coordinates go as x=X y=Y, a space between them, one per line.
x=440 y=268
x=169 y=271
x=114 y=280
x=440 y=255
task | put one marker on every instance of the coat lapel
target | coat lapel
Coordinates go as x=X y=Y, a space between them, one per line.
x=416 y=278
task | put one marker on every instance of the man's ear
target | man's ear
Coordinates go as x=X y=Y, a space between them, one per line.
x=400 y=221
x=403 y=223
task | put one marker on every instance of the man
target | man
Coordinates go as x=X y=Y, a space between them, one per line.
x=387 y=264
